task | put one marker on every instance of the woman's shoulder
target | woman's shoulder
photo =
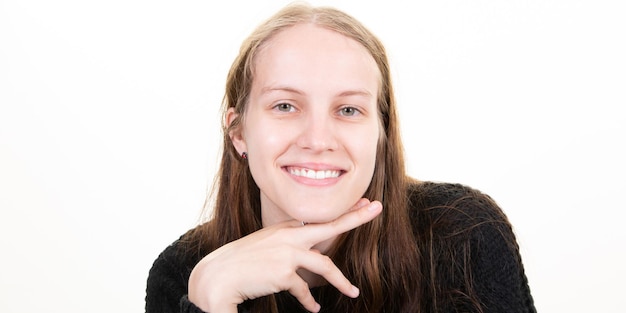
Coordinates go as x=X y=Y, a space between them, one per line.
x=169 y=275
x=432 y=194
x=462 y=199
x=469 y=248
x=177 y=260
x=185 y=252
x=451 y=208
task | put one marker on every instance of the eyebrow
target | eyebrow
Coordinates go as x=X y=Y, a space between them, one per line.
x=355 y=92
x=358 y=92
x=268 y=89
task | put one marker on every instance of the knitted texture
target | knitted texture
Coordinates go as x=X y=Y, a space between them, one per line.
x=468 y=248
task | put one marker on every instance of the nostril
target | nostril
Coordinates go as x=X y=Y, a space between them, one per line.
x=317 y=139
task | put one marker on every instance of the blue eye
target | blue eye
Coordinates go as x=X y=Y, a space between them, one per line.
x=284 y=107
x=348 y=111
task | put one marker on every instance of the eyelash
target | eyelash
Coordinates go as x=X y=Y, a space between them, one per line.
x=342 y=111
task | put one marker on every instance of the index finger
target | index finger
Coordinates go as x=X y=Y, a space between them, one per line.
x=346 y=222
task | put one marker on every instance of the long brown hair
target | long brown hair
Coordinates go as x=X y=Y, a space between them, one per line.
x=379 y=257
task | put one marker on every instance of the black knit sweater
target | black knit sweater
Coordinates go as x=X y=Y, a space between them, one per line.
x=461 y=233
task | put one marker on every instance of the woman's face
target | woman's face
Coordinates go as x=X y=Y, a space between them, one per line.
x=311 y=126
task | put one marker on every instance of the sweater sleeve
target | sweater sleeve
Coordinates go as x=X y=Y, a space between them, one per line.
x=470 y=252
x=166 y=290
x=497 y=272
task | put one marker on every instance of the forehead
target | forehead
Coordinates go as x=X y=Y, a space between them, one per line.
x=307 y=53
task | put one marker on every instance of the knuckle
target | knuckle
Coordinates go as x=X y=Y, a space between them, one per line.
x=327 y=265
x=284 y=274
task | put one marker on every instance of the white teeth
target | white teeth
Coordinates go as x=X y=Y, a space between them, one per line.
x=313 y=174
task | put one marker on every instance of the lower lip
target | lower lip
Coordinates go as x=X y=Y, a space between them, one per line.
x=314 y=182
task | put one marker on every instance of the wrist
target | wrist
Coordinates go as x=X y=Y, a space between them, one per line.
x=208 y=298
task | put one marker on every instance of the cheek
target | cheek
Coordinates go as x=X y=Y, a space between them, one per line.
x=264 y=140
x=363 y=146
x=370 y=155
x=265 y=143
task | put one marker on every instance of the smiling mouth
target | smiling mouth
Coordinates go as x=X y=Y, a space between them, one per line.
x=313 y=174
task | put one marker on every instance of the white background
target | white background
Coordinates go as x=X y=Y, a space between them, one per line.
x=109 y=133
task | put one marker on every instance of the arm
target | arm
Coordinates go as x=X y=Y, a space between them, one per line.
x=471 y=256
x=497 y=272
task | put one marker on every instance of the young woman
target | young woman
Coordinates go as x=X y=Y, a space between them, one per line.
x=314 y=210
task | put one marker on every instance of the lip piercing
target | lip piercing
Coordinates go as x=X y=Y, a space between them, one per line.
x=304 y=223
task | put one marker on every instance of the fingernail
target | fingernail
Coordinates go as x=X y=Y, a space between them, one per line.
x=318 y=307
x=355 y=292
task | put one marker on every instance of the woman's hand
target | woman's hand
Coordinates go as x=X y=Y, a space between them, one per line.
x=266 y=261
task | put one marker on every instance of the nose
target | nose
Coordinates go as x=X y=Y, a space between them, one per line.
x=317 y=133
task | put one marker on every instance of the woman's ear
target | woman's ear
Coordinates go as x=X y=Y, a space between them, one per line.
x=236 y=133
